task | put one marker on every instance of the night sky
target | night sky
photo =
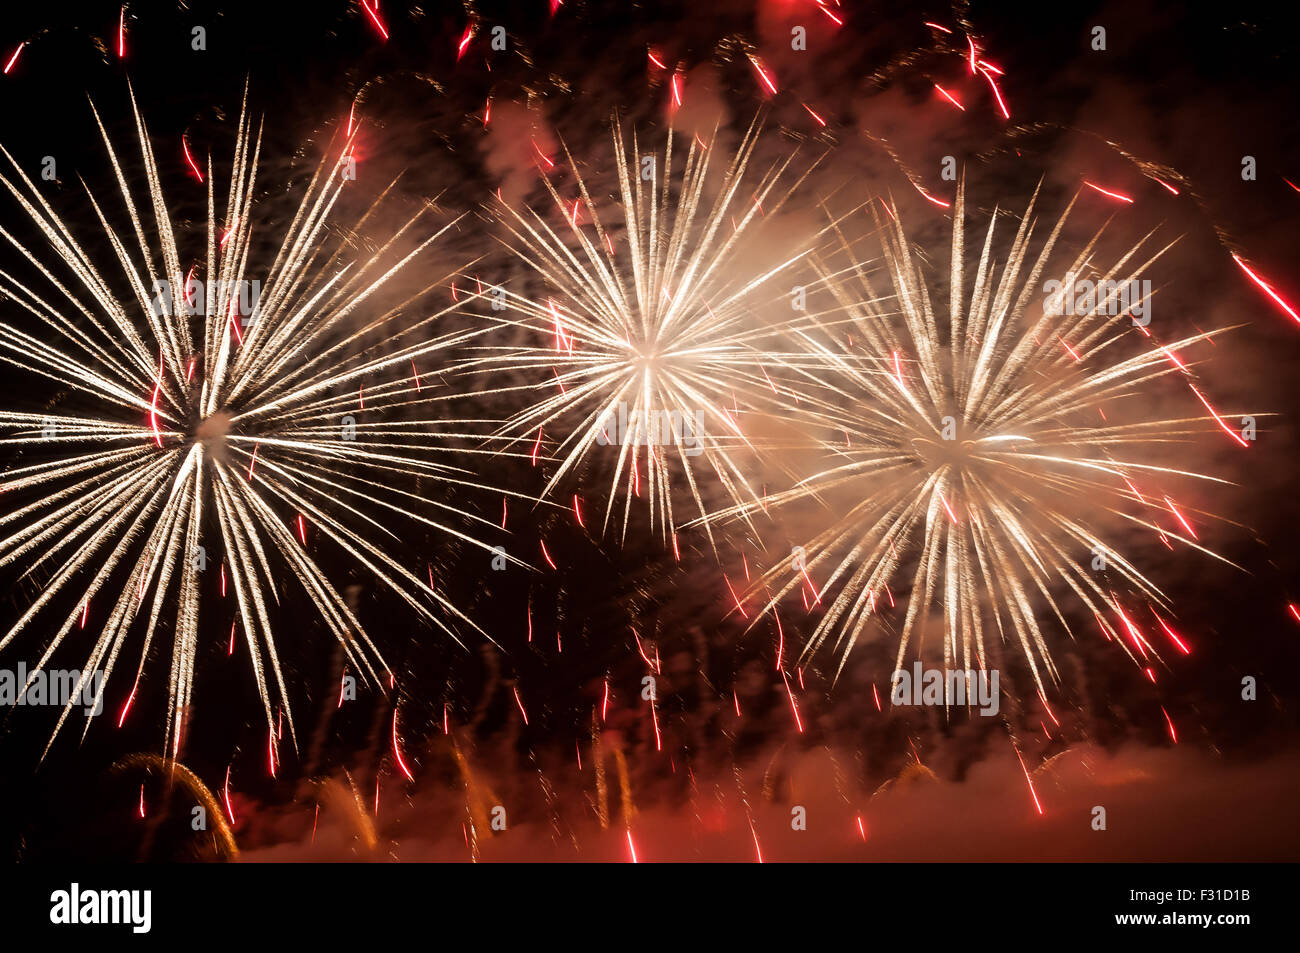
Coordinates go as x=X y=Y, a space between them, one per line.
x=1191 y=94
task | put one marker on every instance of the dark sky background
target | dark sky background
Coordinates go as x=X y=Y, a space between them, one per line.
x=1190 y=93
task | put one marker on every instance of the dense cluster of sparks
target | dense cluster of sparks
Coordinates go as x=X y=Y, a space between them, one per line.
x=651 y=315
x=969 y=454
x=196 y=429
x=983 y=455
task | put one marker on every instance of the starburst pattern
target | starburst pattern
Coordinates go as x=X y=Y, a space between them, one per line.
x=981 y=460
x=647 y=337
x=186 y=429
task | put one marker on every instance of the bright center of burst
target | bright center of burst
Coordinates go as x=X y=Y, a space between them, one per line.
x=211 y=431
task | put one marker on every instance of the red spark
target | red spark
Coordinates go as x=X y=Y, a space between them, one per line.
x=1028 y=780
x=763 y=74
x=950 y=97
x=798 y=722
x=820 y=121
x=251 y=463
x=1173 y=735
x=121 y=33
x=930 y=198
x=225 y=793
x=14 y=59
x=464 y=40
x=127 y=707
x=185 y=147
x=1182 y=646
x=547 y=555
x=997 y=93
x=1226 y=429
x=1267 y=290
x=520 y=702
x=374 y=17
x=951 y=515
x=631 y=846
x=1114 y=195
x=734 y=597
x=153 y=404
x=397 y=751
x=1186 y=525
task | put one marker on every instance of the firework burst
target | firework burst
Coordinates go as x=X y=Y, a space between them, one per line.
x=647 y=337
x=198 y=427
x=985 y=452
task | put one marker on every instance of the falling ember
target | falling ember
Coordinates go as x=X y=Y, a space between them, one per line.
x=547 y=556
x=14 y=59
x=1028 y=780
x=121 y=33
x=793 y=707
x=225 y=794
x=1173 y=735
x=374 y=17
x=520 y=702
x=997 y=93
x=1107 y=192
x=930 y=198
x=631 y=846
x=763 y=74
x=397 y=750
x=1219 y=420
x=820 y=120
x=127 y=707
x=189 y=160
x=464 y=40
x=950 y=97
x=1179 y=516
x=1267 y=289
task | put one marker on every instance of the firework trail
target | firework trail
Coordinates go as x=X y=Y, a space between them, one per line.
x=647 y=337
x=985 y=450
x=195 y=428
